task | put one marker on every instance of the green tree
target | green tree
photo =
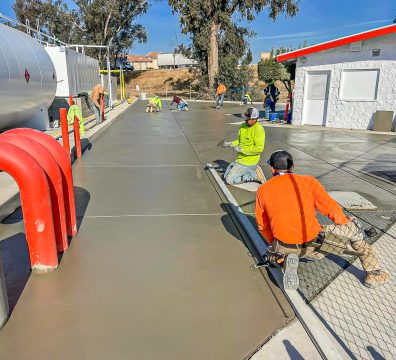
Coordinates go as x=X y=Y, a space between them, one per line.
x=208 y=20
x=270 y=70
x=93 y=22
x=53 y=16
x=111 y=23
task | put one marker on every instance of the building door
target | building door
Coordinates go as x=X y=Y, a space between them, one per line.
x=316 y=96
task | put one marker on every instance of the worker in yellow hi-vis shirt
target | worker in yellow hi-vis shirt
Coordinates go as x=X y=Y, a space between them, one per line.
x=248 y=146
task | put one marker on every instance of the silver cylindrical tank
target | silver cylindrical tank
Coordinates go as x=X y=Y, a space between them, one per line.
x=27 y=78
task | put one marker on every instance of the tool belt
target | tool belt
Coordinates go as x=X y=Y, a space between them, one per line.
x=295 y=246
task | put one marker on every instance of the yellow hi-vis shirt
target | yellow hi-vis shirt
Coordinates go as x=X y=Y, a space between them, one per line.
x=251 y=141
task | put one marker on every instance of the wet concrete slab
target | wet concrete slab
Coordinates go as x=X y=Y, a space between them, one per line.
x=130 y=290
x=146 y=191
x=158 y=270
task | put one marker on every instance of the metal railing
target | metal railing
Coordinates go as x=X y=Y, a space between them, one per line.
x=37 y=34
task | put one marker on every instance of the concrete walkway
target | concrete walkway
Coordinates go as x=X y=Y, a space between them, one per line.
x=157 y=270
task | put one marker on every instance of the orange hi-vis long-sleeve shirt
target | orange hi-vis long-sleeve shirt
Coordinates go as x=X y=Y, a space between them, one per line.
x=286 y=208
x=221 y=89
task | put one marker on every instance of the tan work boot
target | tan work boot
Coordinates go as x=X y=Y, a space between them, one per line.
x=260 y=175
x=376 y=278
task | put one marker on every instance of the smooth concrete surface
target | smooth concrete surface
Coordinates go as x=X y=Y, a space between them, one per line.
x=291 y=342
x=157 y=271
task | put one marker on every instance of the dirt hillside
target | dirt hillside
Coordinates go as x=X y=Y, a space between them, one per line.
x=166 y=82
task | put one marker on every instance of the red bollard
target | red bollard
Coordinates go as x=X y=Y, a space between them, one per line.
x=77 y=139
x=287 y=107
x=63 y=160
x=54 y=178
x=36 y=205
x=76 y=128
x=102 y=107
x=65 y=130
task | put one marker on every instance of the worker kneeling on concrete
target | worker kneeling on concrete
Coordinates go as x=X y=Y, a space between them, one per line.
x=248 y=146
x=154 y=104
x=286 y=217
x=246 y=99
x=181 y=104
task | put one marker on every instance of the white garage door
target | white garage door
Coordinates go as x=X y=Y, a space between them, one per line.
x=316 y=97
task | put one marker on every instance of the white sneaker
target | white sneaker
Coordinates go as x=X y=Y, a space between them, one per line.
x=290 y=277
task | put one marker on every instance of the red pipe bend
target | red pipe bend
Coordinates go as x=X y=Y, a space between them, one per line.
x=54 y=178
x=63 y=160
x=36 y=204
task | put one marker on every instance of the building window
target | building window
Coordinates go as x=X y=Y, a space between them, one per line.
x=359 y=84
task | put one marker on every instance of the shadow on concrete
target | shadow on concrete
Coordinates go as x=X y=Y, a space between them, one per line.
x=222 y=166
x=388 y=167
x=239 y=115
x=333 y=333
x=82 y=198
x=374 y=353
x=14 y=217
x=16 y=264
x=292 y=351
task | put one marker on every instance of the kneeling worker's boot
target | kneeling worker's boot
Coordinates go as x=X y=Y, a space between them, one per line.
x=260 y=175
x=290 y=277
x=376 y=278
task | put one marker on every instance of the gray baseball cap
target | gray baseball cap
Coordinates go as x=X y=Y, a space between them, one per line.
x=252 y=113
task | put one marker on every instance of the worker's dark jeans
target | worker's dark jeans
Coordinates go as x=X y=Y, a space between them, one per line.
x=97 y=114
x=220 y=99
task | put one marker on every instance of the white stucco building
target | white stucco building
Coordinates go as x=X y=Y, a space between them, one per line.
x=342 y=83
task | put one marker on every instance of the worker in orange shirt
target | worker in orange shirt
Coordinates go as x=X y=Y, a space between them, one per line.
x=221 y=90
x=96 y=96
x=286 y=217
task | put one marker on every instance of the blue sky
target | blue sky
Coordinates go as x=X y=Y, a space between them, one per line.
x=317 y=21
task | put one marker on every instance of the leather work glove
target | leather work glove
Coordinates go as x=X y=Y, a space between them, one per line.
x=237 y=149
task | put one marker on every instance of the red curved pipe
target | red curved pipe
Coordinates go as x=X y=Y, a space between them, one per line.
x=36 y=204
x=63 y=160
x=54 y=178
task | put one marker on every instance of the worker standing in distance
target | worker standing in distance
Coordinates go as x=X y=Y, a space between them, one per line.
x=248 y=146
x=96 y=96
x=286 y=208
x=271 y=93
x=154 y=104
x=220 y=92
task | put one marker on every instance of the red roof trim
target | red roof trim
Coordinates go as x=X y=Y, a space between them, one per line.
x=338 y=42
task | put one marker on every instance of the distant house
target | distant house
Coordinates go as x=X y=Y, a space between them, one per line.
x=153 y=55
x=344 y=82
x=141 y=62
x=169 y=61
x=265 y=55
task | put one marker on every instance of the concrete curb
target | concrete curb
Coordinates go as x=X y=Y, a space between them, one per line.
x=10 y=201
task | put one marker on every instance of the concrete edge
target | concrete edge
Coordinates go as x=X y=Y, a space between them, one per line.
x=10 y=205
x=13 y=202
